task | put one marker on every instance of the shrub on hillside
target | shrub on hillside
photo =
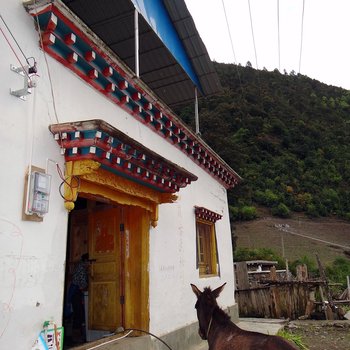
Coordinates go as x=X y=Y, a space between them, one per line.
x=248 y=213
x=305 y=260
x=242 y=213
x=266 y=197
x=281 y=210
x=347 y=216
x=338 y=271
x=246 y=254
x=234 y=213
x=311 y=211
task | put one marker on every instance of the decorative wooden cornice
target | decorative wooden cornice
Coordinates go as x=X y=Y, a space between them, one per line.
x=66 y=39
x=87 y=179
x=206 y=214
x=118 y=153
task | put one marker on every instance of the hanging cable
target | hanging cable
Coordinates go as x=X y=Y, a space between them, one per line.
x=25 y=71
x=32 y=67
x=69 y=185
x=232 y=47
x=49 y=75
x=14 y=39
x=256 y=56
x=149 y=333
x=301 y=34
x=229 y=32
x=278 y=35
x=31 y=148
x=109 y=341
x=47 y=65
x=252 y=29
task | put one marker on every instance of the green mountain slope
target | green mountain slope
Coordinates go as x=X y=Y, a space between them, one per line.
x=288 y=136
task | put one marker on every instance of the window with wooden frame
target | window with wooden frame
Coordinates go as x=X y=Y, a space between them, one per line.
x=207 y=254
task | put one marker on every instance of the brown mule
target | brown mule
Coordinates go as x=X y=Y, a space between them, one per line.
x=222 y=334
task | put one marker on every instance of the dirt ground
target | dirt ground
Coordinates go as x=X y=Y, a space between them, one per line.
x=297 y=237
x=322 y=335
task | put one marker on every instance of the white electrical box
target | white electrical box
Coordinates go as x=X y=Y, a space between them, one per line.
x=39 y=193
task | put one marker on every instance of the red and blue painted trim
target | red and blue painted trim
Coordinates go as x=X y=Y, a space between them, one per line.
x=116 y=152
x=206 y=214
x=64 y=41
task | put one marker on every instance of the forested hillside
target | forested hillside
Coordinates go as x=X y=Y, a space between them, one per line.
x=287 y=135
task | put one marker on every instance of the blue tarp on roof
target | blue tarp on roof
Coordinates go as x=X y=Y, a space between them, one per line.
x=172 y=56
x=158 y=18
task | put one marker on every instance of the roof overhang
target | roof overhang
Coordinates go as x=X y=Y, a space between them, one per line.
x=118 y=153
x=65 y=38
x=173 y=59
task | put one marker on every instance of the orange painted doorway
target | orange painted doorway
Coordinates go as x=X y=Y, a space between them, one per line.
x=117 y=240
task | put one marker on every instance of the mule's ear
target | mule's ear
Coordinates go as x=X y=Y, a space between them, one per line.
x=216 y=292
x=196 y=290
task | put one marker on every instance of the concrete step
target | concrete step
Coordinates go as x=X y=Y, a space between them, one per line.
x=269 y=326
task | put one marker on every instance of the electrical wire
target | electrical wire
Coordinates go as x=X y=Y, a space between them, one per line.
x=149 y=333
x=69 y=185
x=129 y=330
x=255 y=53
x=252 y=29
x=14 y=52
x=47 y=67
x=232 y=47
x=60 y=173
x=301 y=34
x=14 y=39
x=25 y=72
x=55 y=109
x=229 y=31
x=109 y=341
x=31 y=151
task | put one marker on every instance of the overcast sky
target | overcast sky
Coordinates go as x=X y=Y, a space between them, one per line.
x=326 y=35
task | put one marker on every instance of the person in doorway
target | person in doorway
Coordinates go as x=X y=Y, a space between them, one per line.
x=79 y=284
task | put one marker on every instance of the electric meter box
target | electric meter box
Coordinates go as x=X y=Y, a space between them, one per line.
x=39 y=193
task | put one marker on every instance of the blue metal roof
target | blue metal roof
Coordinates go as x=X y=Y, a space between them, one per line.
x=173 y=58
x=158 y=18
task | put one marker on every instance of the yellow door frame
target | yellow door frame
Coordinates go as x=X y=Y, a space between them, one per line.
x=88 y=179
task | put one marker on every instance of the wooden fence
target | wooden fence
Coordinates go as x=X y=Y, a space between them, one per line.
x=274 y=295
x=288 y=300
x=278 y=295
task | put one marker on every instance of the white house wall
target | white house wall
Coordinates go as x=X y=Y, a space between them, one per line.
x=173 y=256
x=32 y=254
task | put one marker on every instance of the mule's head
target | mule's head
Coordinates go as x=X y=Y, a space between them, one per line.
x=205 y=305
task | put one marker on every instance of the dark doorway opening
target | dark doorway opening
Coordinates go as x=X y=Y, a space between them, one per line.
x=93 y=275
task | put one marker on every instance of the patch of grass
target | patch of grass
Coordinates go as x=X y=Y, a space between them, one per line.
x=296 y=339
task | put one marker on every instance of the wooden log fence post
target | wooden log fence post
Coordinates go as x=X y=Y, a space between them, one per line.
x=329 y=308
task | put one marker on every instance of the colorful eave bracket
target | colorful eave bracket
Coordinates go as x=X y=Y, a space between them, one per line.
x=206 y=214
x=116 y=152
x=69 y=45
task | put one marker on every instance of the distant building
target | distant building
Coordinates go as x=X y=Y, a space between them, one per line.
x=254 y=272
x=113 y=171
x=260 y=265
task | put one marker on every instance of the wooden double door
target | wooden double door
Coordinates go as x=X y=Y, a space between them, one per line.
x=117 y=240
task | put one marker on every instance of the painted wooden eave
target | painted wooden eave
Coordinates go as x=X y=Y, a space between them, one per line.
x=120 y=154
